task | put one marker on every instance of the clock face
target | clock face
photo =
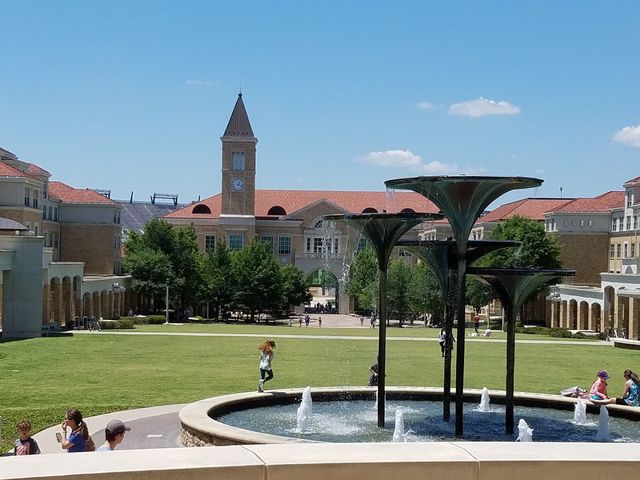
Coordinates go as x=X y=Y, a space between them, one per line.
x=237 y=185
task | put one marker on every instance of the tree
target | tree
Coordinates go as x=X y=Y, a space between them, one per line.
x=218 y=280
x=538 y=250
x=294 y=288
x=161 y=250
x=399 y=279
x=363 y=284
x=258 y=279
x=425 y=293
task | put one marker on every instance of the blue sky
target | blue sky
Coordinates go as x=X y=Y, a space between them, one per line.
x=133 y=96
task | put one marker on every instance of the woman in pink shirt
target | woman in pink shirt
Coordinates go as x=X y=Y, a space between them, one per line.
x=599 y=388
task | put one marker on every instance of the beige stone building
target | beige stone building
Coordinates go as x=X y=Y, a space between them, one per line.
x=289 y=220
x=59 y=249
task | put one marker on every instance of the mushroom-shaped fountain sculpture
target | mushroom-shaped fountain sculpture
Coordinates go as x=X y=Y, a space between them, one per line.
x=462 y=200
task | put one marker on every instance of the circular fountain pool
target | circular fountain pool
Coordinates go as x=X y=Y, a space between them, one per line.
x=349 y=415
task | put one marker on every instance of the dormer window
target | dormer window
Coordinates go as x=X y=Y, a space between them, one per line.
x=277 y=211
x=201 y=208
x=237 y=160
x=369 y=210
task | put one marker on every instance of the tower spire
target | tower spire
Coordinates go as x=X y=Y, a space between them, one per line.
x=239 y=125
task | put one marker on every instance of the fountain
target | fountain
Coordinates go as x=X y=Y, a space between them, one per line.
x=399 y=434
x=305 y=410
x=484 y=401
x=525 y=434
x=462 y=200
x=580 y=413
x=603 y=425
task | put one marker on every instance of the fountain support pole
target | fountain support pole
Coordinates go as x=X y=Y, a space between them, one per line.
x=382 y=345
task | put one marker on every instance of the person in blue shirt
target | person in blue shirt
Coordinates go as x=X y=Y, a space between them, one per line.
x=77 y=440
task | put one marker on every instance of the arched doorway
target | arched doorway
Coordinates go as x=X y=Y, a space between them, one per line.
x=323 y=285
x=596 y=318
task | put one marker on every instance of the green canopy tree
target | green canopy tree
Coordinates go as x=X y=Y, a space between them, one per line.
x=258 y=279
x=294 y=288
x=363 y=284
x=162 y=254
x=219 y=282
x=399 y=279
x=425 y=293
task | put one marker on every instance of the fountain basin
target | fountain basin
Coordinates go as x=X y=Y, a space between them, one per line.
x=200 y=425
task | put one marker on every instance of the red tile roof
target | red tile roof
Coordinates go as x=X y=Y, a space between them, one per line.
x=601 y=203
x=68 y=194
x=34 y=169
x=9 y=171
x=634 y=182
x=294 y=200
x=533 y=208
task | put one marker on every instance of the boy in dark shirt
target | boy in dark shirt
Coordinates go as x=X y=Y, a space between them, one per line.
x=25 y=445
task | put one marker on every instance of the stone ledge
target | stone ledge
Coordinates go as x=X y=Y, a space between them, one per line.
x=373 y=461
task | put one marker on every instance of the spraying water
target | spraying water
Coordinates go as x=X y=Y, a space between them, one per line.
x=305 y=410
x=525 y=434
x=580 y=413
x=603 y=425
x=484 y=401
x=399 y=435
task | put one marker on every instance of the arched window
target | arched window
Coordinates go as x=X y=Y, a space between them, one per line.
x=277 y=210
x=201 y=208
x=407 y=210
x=319 y=224
x=369 y=210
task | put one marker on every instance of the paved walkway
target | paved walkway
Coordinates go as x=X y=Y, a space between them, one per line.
x=347 y=337
x=153 y=427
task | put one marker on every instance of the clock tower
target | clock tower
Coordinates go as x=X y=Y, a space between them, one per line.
x=238 y=165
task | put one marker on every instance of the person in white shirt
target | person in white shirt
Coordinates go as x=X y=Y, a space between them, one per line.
x=114 y=435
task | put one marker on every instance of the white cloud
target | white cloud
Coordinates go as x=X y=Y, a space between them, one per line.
x=413 y=162
x=427 y=106
x=628 y=136
x=199 y=83
x=483 y=107
x=392 y=158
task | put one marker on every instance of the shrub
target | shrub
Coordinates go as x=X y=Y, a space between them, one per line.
x=533 y=330
x=124 y=324
x=139 y=320
x=560 y=333
x=107 y=324
x=156 y=319
x=579 y=335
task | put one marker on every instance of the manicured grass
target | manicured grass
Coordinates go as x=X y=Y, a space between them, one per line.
x=99 y=373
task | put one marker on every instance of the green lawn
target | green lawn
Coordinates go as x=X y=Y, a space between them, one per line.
x=101 y=372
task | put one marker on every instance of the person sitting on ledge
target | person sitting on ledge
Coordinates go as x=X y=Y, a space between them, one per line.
x=630 y=393
x=598 y=390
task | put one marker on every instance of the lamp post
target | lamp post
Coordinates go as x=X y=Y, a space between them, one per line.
x=166 y=303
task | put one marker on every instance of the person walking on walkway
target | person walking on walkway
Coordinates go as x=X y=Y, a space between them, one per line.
x=266 y=359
